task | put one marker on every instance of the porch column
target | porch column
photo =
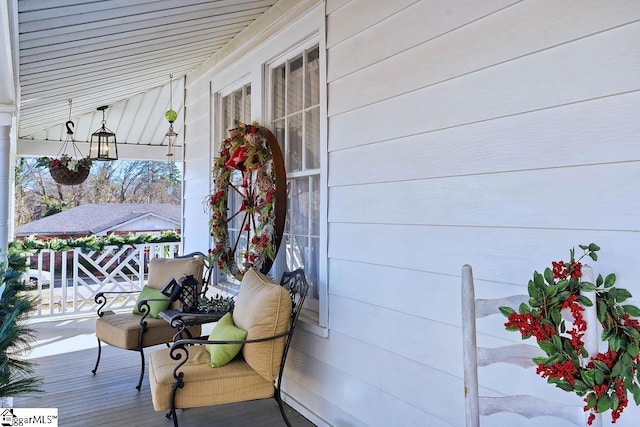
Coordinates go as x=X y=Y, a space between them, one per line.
x=5 y=190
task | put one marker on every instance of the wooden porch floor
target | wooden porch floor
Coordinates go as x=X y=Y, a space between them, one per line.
x=66 y=354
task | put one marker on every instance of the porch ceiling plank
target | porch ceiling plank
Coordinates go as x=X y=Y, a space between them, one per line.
x=150 y=14
x=104 y=53
x=134 y=55
x=97 y=72
x=167 y=38
x=58 y=41
x=88 y=104
x=134 y=108
x=101 y=69
x=132 y=112
x=83 y=52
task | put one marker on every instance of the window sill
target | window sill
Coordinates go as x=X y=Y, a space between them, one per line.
x=310 y=324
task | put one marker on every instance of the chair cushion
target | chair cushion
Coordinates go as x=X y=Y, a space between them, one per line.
x=263 y=309
x=159 y=301
x=225 y=330
x=122 y=330
x=203 y=386
x=162 y=270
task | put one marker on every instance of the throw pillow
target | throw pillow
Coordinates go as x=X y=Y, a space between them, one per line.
x=225 y=330
x=155 y=306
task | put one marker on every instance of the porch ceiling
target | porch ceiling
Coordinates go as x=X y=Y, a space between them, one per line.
x=118 y=53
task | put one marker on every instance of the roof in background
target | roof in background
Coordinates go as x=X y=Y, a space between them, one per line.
x=97 y=218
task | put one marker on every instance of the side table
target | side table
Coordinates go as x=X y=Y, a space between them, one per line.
x=181 y=320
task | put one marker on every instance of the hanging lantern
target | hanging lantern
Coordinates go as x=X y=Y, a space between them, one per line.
x=103 y=142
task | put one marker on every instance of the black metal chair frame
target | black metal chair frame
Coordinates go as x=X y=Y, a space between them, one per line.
x=143 y=307
x=296 y=283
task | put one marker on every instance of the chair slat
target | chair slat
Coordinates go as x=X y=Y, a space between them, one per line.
x=487 y=307
x=516 y=354
x=531 y=407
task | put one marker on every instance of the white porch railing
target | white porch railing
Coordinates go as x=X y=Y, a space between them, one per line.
x=67 y=282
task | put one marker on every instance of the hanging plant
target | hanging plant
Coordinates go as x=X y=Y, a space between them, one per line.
x=64 y=169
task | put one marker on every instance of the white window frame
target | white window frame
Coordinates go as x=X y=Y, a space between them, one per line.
x=317 y=325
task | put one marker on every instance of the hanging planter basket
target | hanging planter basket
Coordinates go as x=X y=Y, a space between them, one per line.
x=64 y=176
x=64 y=169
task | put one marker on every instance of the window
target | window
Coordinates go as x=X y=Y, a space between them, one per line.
x=295 y=120
x=235 y=107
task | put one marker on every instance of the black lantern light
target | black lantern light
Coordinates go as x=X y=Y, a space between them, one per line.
x=103 y=142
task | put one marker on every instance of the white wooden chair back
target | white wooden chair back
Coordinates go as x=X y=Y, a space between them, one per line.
x=516 y=354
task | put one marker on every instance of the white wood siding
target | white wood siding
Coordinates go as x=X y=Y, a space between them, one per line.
x=497 y=133
x=198 y=156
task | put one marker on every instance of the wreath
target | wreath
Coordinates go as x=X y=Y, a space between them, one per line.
x=604 y=379
x=246 y=151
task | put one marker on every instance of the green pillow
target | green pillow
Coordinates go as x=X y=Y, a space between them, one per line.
x=225 y=330
x=155 y=306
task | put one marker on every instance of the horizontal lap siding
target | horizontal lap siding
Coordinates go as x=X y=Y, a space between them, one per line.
x=496 y=133
x=570 y=73
x=525 y=199
x=599 y=131
x=197 y=167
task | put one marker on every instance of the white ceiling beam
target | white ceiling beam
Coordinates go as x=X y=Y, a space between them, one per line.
x=40 y=148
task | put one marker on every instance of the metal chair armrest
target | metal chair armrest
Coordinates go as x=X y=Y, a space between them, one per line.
x=101 y=298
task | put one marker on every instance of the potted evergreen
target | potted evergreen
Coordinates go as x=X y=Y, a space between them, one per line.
x=16 y=337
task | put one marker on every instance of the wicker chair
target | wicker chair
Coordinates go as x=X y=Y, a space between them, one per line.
x=182 y=376
x=138 y=330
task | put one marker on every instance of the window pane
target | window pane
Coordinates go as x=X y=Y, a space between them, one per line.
x=311 y=269
x=279 y=133
x=226 y=111
x=246 y=108
x=295 y=90
x=312 y=80
x=314 y=205
x=287 y=219
x=279 y=82
x=312 y=138
x=294 y=146
x=299 y=205
x=237 y=107
x=296 y=251
x=233 y=204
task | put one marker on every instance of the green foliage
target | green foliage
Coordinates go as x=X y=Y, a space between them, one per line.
x=91 y=243
x=604 y=379
x=216 y=304
x=16 y=373
x=52 y=206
